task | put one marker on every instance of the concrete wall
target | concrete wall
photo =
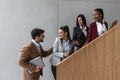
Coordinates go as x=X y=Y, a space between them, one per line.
x=19 y=17
x=70 y=9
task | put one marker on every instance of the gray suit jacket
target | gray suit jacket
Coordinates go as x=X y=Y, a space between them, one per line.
x=58 y=52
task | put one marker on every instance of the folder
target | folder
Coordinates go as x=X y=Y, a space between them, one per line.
x=37 y=61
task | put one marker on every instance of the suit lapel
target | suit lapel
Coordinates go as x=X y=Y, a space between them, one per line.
x=35 y=49
x=41 y=51
x=80 y=31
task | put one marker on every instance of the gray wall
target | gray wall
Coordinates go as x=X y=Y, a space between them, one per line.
x=19 y=17
x=70 y=9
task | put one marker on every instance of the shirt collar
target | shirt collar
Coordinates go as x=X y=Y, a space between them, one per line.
x=66 y=41
x=36 y=44
x=83 y=28
x=100 y=23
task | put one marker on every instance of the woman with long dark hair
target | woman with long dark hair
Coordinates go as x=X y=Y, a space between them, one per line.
x=62 y=48
x=80 y=32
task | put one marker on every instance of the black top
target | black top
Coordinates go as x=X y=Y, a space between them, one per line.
x=79 y=36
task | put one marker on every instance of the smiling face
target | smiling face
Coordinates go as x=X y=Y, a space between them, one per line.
x=62 y=34
x=40 y=38
x=80 y=21
x=97 y=16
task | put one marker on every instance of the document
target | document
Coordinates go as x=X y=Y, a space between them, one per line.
x=37 y=61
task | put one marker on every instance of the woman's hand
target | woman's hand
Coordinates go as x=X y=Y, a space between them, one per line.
x=66 y=54
x=77 y=43
x=114 y=23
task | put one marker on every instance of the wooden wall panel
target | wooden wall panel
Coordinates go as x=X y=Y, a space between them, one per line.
x=98 y=60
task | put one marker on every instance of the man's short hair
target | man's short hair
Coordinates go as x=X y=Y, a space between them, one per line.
x=36 y=32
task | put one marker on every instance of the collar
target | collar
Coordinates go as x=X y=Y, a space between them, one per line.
x=36 y=43
x=83 y=28
x=66 y=41
x=100 y=23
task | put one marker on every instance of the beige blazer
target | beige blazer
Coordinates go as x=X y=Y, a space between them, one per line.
x=29 y=52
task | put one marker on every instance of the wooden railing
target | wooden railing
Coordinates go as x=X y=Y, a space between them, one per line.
x=98 y=60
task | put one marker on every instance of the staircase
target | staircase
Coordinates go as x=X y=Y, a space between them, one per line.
x=98 y=60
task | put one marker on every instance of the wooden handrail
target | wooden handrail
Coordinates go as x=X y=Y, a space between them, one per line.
x=98 y=60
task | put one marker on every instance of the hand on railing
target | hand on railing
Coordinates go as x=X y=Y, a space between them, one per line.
x=66 y=54
x=38 y=68
x=114 y=23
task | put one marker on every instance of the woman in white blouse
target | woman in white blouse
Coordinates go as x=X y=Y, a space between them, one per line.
x=62 y=48
x=98 y=27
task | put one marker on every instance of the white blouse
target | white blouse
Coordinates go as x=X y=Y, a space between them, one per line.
x=84 y=30
x=101 y=28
